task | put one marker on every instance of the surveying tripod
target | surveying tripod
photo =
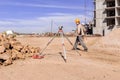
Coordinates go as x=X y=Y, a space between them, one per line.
x=60 y=31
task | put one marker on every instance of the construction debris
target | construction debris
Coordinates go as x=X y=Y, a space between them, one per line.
x=11 y=49
x=110 y=43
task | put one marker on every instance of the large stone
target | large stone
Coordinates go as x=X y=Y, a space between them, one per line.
x=20 y=56
x=9 y=52
x=2 y=61
x=15 y=51
x=14 y=54
x=37 y=50
x=17 y=55
x=17 y=43
x=2 y=49
x=7 y=62
x=11 y=36
x=32 y=50
x=1 y=37
x=25 y=50
x=18 y=47
x=4 y=56
x=6 y=45
x=29 y=54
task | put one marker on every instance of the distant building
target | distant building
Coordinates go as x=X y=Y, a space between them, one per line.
x=106 y=16
x=9 y=32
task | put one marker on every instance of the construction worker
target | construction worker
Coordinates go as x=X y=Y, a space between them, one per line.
x=80 y=35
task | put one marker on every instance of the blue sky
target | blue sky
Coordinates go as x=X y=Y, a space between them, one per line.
x=36 y=15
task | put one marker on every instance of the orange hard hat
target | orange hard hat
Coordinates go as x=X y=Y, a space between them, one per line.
x=77 y=20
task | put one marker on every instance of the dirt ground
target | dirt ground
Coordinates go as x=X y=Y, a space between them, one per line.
x=92 y=65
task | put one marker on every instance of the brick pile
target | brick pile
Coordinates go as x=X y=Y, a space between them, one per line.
x=11 y=49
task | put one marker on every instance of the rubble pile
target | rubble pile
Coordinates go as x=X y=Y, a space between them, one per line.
x=110 y=43
x=11 y=49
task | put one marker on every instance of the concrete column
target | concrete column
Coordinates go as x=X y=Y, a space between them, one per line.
x=116 y=3
x=116 y=12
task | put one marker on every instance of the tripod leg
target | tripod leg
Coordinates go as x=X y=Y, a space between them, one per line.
x=47 y=44
x=63 y=45
x=68 y=39
x=71 y=44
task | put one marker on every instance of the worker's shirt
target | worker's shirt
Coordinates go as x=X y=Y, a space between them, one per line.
x=81 y=30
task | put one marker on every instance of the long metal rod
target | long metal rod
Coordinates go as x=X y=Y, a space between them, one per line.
x=63 y=45
x=47 y=44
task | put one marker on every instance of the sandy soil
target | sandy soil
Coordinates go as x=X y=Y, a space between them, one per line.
x=92 y=65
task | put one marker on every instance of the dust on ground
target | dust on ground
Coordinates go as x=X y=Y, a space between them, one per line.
x=96 y=64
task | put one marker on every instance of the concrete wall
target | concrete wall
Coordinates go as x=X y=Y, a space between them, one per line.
x=101 y=14
x=99 y=17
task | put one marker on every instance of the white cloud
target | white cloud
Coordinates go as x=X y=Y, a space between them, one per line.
x=6 y=22
x=43 y=24
x=44 y=5
x=58 y=14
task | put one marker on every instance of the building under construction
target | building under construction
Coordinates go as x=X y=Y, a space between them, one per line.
x=106 y=16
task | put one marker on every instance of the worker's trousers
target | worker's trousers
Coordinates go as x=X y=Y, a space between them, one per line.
x=80 y=39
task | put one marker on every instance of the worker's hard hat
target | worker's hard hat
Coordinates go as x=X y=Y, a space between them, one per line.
x=77 y=20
